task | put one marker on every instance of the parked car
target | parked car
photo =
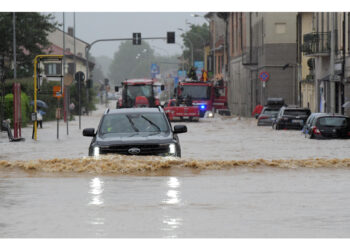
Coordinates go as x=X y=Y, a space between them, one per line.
x=291 y=118
x=309 y=121
x=267 y=116
x=135 y=131
x=328 y=126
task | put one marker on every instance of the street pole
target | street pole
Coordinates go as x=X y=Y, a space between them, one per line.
x=65 y=99
x=14 y=47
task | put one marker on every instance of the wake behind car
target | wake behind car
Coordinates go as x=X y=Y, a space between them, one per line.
x=135 y=131
x=328 y=126
x=291 y=118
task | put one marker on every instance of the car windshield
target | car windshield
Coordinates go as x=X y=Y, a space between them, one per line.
x=296 y=112
x=139 y=90
x=333 y=121
x=270 y=112
x=133 y=123
x=196 y=92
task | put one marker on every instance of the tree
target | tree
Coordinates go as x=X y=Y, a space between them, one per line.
x=31 y=39
x=198 y=35
x=131 y=61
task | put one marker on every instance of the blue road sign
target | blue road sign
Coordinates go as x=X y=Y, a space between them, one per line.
x=154 y=68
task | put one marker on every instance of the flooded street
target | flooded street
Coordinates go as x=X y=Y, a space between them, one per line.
x=234 y=180
x=241 y=202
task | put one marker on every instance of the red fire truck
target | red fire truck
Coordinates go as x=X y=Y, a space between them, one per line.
x=209 y=97
x=137 y=93
x=176 y=111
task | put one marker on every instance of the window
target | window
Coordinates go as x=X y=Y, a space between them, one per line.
x=53 y=69
x=71 y=68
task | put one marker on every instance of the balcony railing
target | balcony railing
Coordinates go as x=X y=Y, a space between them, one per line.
x=318 y=43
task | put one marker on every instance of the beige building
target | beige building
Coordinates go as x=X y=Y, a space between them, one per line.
x=56 y=40
x=307 y=93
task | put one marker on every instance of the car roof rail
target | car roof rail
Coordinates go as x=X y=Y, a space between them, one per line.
x=160 y=109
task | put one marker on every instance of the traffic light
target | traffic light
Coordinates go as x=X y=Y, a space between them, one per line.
x=106 y=81
x=89 y=83
x=170 y=37
x=136 y=38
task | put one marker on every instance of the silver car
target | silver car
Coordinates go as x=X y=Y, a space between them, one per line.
x=267 y=116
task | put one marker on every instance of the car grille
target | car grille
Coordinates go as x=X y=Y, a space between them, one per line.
x=151 y=149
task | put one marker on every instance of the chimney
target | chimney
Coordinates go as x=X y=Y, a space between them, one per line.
x=70 y=31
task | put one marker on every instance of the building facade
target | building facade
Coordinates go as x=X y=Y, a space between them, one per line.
x=327 y=46
x=262 y=42
x=73 y=62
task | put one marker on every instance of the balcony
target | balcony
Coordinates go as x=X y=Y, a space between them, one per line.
x=318 y=44
x=250 y=56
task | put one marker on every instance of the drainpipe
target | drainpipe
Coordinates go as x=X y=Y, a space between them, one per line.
x=332 y=59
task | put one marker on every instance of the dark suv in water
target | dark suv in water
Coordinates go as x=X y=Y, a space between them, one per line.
x=291 y=118
x=135 y=131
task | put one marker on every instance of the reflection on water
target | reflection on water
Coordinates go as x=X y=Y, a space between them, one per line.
x=172 y=223
x=96 y=189
x=96 y=200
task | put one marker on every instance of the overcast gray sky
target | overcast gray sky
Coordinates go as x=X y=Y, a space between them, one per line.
x=91 y=26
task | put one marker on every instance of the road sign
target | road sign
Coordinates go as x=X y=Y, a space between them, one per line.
x=57 y=91
x=154 y=68
x=67 y=80
x=264 y=76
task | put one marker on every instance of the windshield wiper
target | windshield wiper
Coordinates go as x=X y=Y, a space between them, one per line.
x=150 y=122
x=132 y=123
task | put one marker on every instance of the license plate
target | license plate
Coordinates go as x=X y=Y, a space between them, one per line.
x=186 y=117
x=297 y=121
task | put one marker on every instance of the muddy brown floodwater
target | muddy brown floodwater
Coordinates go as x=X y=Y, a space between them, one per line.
x=167 y=198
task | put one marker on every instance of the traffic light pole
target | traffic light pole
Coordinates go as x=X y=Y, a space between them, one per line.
x=89 y=46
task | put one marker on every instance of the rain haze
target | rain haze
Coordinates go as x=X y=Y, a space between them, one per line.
x=181 y=154
x=102 y=25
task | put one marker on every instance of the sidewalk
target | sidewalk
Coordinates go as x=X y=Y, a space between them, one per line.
x=48 y=146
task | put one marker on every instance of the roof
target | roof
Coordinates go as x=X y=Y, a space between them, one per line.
x=134 y=110
x=195 y=83
x=147 y=81
x=292 y=107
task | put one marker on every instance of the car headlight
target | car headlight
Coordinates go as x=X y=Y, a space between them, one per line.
x=209 y=114
x=96 y=151
x=172 y=149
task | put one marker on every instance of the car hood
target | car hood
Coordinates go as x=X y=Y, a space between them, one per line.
x=135 y=138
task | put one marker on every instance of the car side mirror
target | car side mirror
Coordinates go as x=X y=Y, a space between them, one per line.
x=162 y=87
x=256 y=116
x=116 y=88
x=89 y=132
x=180 y=129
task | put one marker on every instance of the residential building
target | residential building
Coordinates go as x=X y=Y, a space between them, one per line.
x=261 y=42
x=328 y=46
x=306 y=91
x=56 y=48
x=216 y=57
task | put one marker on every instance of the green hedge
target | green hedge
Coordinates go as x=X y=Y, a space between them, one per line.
x=46 y=94
x=25 y=108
